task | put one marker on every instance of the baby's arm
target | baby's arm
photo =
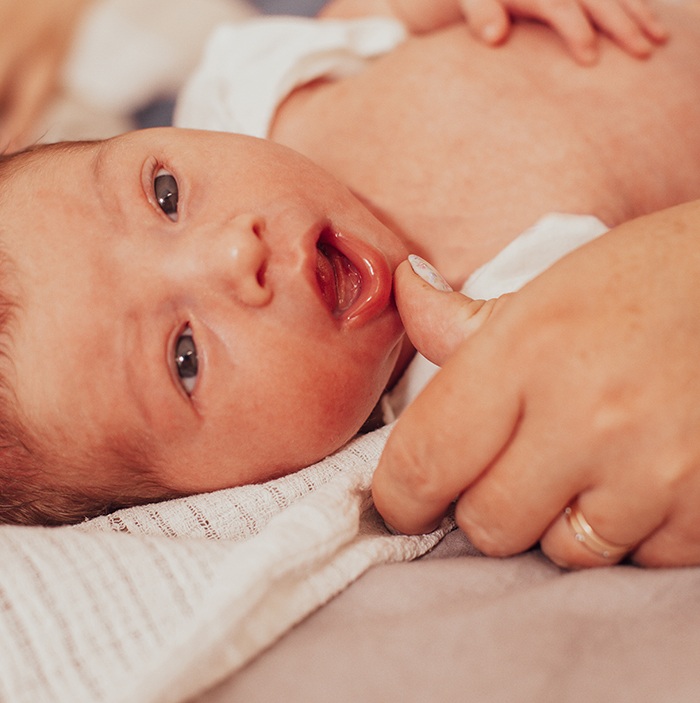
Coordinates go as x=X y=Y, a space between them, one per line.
x=630 y=23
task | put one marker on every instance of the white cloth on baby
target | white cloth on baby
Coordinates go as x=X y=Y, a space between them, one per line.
x=248 y=68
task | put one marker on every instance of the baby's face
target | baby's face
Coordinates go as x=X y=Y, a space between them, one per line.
x=218 y=297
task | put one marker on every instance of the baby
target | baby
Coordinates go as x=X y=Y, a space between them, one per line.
x=190 y=310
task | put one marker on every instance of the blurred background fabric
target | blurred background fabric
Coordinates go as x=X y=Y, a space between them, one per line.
x=160 y=112
x=289 y=7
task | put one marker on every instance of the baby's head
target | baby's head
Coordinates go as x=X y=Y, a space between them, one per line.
x=185 y=311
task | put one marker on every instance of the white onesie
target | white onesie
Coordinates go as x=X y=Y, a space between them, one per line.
x=248 y=68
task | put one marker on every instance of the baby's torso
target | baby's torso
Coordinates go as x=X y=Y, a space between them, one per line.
x=461 y=147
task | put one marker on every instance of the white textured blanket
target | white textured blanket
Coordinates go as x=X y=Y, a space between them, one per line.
x=157 y=603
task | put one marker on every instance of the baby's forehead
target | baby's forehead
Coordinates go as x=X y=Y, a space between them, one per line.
x=34 y=185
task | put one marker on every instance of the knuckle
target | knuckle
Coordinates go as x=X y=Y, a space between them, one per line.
x=557 y=7
x=650 y=558
x=414 y=467
x=488 y=546
x=659 y=552
x=675 y=544
x=486 y=540
x=610 y=416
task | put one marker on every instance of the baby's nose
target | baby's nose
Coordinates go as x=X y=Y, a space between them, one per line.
x=233 y=257
x=244 y=259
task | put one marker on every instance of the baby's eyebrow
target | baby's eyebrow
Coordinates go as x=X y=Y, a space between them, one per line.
x=113 y=185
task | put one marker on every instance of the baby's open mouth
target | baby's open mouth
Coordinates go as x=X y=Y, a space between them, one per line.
x=338 y=278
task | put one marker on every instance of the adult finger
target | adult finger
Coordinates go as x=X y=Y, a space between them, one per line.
x=601 y=526
x=438 y=448
x=645 y=17
x=436 y=319
x=619 y=25
x=553 y=458
x=568 y=20
x=487 y=19
x=508 y=508
x=676 y=542
x=670 y=546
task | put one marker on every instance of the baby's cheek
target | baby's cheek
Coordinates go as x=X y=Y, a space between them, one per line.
x=333 y=416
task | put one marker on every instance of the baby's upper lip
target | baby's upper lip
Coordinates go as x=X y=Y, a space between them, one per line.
x=353 y=278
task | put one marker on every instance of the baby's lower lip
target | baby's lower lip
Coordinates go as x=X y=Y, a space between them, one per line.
x=339 y=280
x=353 y=277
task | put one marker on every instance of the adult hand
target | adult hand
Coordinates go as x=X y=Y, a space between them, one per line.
x=36 y=36
x=631 y=24
x=583 y=388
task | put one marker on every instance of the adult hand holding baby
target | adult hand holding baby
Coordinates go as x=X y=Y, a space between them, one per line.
x=629 y=23
x=35 y=38
x=581 y=391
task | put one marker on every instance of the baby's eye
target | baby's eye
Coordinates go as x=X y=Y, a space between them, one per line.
x=186 y=360
x=166 y=192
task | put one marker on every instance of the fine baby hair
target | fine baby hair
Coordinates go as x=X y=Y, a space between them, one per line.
x=30 y=462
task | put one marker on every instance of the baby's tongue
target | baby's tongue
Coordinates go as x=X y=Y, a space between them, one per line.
x=338 y=278
x=348 y=281
x=326 y=280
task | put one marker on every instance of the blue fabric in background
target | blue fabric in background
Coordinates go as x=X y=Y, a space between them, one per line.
x=160 y=112
x=289 y=7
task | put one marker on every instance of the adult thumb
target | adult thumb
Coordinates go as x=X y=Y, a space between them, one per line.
x=436 y=318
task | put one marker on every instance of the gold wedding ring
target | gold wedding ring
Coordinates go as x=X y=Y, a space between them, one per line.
x=589 y=538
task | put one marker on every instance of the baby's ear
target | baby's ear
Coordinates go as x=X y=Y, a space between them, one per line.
x=436 y=318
